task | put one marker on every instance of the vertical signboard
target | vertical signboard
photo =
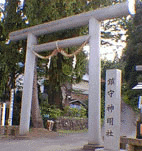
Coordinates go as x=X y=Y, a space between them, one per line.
x=3 y=114
x=140 y=102
x=112 y=110
x=11 y=108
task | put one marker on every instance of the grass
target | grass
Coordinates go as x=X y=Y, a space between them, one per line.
x=72 y=131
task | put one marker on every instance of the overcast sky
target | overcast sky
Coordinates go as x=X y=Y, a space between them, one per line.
x=2 y=1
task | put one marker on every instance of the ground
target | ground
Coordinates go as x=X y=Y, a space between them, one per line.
x=41 y=132
x=43 y=140
x=34 y=133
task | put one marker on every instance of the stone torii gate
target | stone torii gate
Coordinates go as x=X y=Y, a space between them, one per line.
x=93 y=18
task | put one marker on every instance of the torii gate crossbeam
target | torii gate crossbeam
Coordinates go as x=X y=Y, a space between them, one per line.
x=93 y=18
x=102 y=14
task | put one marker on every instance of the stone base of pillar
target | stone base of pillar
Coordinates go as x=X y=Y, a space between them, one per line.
x=92 y=147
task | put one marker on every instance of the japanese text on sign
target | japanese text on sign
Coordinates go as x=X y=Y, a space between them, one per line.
x=110 y=108
x=110 y=93
x=111 y=81
x=109 y=133
x=110 y=121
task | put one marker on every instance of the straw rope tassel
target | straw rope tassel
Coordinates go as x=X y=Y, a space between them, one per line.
x=74 y=61
x=49 y=62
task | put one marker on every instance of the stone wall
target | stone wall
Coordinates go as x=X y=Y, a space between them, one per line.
x=9 y=130
x=133 y=144
x=71 y=123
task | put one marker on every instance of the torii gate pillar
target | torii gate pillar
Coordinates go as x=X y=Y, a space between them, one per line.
x=94 y=117
x=28 y=85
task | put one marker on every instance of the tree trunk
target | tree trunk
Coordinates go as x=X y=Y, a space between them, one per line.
x=55 y=78
x=55 y=98
x=37 y=120
x=58 y=99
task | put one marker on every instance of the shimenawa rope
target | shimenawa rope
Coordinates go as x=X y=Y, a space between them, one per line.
x=60 y=50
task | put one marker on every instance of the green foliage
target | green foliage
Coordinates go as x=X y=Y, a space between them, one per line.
x=139 y=78
x=37 y=12
x=61 y=70
x=12 y=19
x=17 y=108
x=83 y=112
x=132 y=57
x=106 y=64
x=52 y=111
x=133 y=53
x=75 y=112
x=131 y=98
x=9 y=51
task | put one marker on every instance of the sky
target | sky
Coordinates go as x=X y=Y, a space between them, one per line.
x=2 y=1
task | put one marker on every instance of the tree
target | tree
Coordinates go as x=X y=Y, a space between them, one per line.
x=11 y=21
x=133 y=51
x=61 y=67
x=14 y=20
x=9 y=51
x=133 y=55
x=36 y=116
x=36 y=13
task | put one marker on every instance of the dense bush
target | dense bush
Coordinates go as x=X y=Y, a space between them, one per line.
x=51 y=112
x=74 y=112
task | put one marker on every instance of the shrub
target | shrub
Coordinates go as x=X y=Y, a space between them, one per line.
x=50 y=111
x=74 y=112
